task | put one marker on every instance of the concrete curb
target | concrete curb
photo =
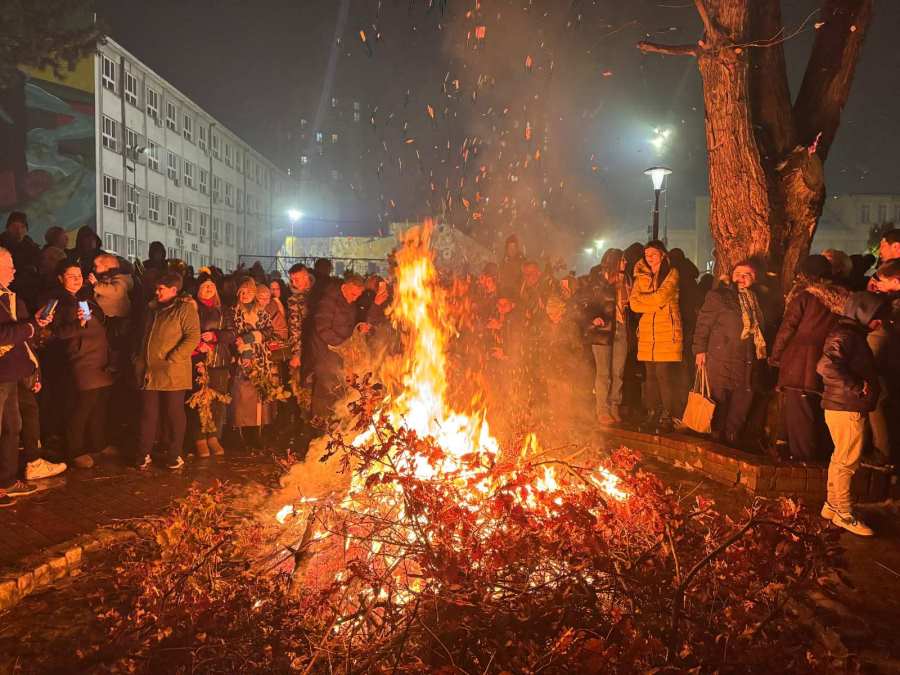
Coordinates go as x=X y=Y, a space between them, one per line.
x=42 y=569
x=758 y=474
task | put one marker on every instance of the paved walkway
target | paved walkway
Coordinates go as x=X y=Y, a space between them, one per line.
x=78 y=502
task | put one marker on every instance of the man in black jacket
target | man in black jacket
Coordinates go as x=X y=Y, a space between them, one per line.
x=334 y=319
x=16 y=363
x=851 y=392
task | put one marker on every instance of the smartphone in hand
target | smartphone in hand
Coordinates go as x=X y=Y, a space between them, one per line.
x=85 y=310
x=48 y=309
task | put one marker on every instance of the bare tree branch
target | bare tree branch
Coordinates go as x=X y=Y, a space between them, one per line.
x=668 y=50
x=708 y=27
x=829 y=73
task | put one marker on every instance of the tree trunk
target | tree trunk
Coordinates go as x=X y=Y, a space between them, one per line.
x=766 y=177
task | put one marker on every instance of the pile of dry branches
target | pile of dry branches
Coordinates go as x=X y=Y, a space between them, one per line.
x=490 y=568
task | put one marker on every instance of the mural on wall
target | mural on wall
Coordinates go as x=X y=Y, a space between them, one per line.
x=47 y=149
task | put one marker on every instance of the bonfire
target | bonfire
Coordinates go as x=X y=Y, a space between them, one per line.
x=441 y=550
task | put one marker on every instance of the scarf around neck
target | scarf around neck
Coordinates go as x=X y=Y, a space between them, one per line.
x=751 y=319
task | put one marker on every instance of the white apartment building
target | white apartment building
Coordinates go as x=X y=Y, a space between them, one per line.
x=168 y=171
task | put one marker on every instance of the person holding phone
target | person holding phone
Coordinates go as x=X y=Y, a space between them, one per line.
x=79 y=330
x=16 y=328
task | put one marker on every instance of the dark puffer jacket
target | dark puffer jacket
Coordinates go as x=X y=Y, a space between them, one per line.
x=813 y=310
x=333 y=323
x=846 y=365
x=86 y=348
x=597 y=299
x=729 y=359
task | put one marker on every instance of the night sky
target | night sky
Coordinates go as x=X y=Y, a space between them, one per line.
x=260 y=66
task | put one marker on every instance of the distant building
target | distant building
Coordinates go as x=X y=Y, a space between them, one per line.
x=115 y=146
x=453 y=249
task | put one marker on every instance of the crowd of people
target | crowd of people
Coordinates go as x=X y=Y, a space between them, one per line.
x=93 y=346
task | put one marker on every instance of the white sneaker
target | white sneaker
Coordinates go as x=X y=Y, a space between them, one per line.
x=175 y=464
x=41 y=468
x=850 y=523
x=147 y=463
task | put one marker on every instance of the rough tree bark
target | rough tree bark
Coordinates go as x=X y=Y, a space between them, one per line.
x=767 y=154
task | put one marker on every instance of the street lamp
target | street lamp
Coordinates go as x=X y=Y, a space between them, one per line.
x=658 y=178
x=135 y=152
x=294 y=216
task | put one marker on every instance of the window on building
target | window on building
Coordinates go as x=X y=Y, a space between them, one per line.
x=229 y=234
x=356 y=105
x=172 y=213
x=204 y=181
x=897 y=215
x=217 y=189
x=172 y=166
x=171 y=116
x=303 y=123
x=356 y=116
x=204 y=225
x=239 y=201
x=110 y=133
x=109 y=242
x=320 y=137
x=153 y=155
x=335 y=174
x=153 y=207
x=201 y=135
x=882 y=213
x=229 y=194
x=189 y=220
x=111 y=192
x=214 y=142
x=334 y=102
x=134 y=198
x=228 y=159
x=238 y=160
x=153 y=104
x=133 y=141
x=216 y=230
x=188 y=174
x=334 y=138
x=258 y=175
x=171 y=253
x=131 y=89
x=304 y=160
x=110 y=72
x=131 y=252
x=321 y=150
x=864 y=214
x=187 y=127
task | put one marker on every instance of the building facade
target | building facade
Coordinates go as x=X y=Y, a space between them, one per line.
x=115 y=146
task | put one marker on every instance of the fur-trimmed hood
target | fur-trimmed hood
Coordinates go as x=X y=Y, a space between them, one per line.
x=832 y=295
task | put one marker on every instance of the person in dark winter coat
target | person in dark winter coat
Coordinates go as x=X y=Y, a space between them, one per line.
x=211 y=360
x=604 y=311
x=851 y=391
x=163 y=369
x=26 y=257
x=85 y=351
x=87 y=247
x=509 y=273
x=334 y=321
x=729 y=343
x=796 y=351
x=16 y=363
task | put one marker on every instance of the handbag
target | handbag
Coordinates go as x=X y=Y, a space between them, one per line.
x=700 y=408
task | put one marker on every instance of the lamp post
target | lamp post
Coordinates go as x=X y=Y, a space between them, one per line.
x=658 y=178
x=135 y=152
x=294 y=216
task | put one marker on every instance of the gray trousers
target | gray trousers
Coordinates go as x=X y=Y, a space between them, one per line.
x=610 y=366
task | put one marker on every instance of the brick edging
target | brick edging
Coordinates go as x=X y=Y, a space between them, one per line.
x=57 y=562
x=758 y=474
